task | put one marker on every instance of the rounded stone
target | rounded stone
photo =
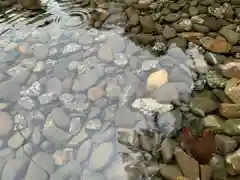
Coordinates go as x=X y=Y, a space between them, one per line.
x=6 y=124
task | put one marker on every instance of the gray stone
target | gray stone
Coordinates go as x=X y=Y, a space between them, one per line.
x=10 y=90
x=169 y=122
x=166 y=93
x=73 y=65
x=93 y=124
x=88 y=79
x=75 y=125
x=60 y=118
x=105 y=53
x=79 y=138
x=70 y=48
x=149 y=106
x=46 y=98
x=37 y=137
x=90 y=175
x=120 y=59
x=33 y=90
x=6 y=124
x=67 y=171
x=127 y=118
x=54 y=85
x=104 y=136
x=47 y=147
x=41 y=166
x=85 y=40
x=116 y=42
x=113 y=90
x=2 y=165
x=149 y=64
x=66 y=98
x=67 y=84
x=40 y=51
x=56 y=136
x=16 y=141
x=19 y=73
x=99 y=159
x=84 y=150
x=7 y=154
x=94 y=111
x=15 y=169
x=26 y=102
x=39 y=67
x=25 y=151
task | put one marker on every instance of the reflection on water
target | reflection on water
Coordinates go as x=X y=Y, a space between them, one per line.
x=66 y=95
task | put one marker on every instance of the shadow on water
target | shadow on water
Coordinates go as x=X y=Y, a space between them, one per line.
x=68 y=92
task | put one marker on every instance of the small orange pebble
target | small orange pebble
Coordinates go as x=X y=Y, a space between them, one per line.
x=23 y=48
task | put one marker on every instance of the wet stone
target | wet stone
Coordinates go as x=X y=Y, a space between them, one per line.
x=67 y=171
x=127 y=118
x=113 y=90
x=54 y=86
x=19 y=73
x=26 y=102
x=33 y=90
x=116 y=42
x=6 y=124
x=120 y=59
x=85 y=40
x=40 y=51
x=97 y=160
x=60 y=118
x=40 y=167
x=25 y=151
x=84 y=151
x=87 y=80
x=16 y=141
x=70 y=48
x=66 y=98
x=37 y=137
x=75 y=125
x=10 y=90
x=78 y=138
x=93 y=124
x=105 y=53
x=39 y=67
x=46 y=98
x=15 y=169
x=56 y=136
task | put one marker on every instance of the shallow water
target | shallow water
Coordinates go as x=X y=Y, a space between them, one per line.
x=65 y=90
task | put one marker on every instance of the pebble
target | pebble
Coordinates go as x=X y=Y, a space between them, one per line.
x=88 y=79
x=39 y=67
x=60 y=118
x=157 y=79
x=16 y=141
x=105 y=53
x=6 y=124
x=151 y=105
x=26 y=102
x=84 y=151
x=218 y=45
x=97 y=161
x=183 y=159
x=54 y=86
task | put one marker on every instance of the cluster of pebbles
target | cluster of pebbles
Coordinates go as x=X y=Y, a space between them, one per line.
x=210 y=31
x=67 y=95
